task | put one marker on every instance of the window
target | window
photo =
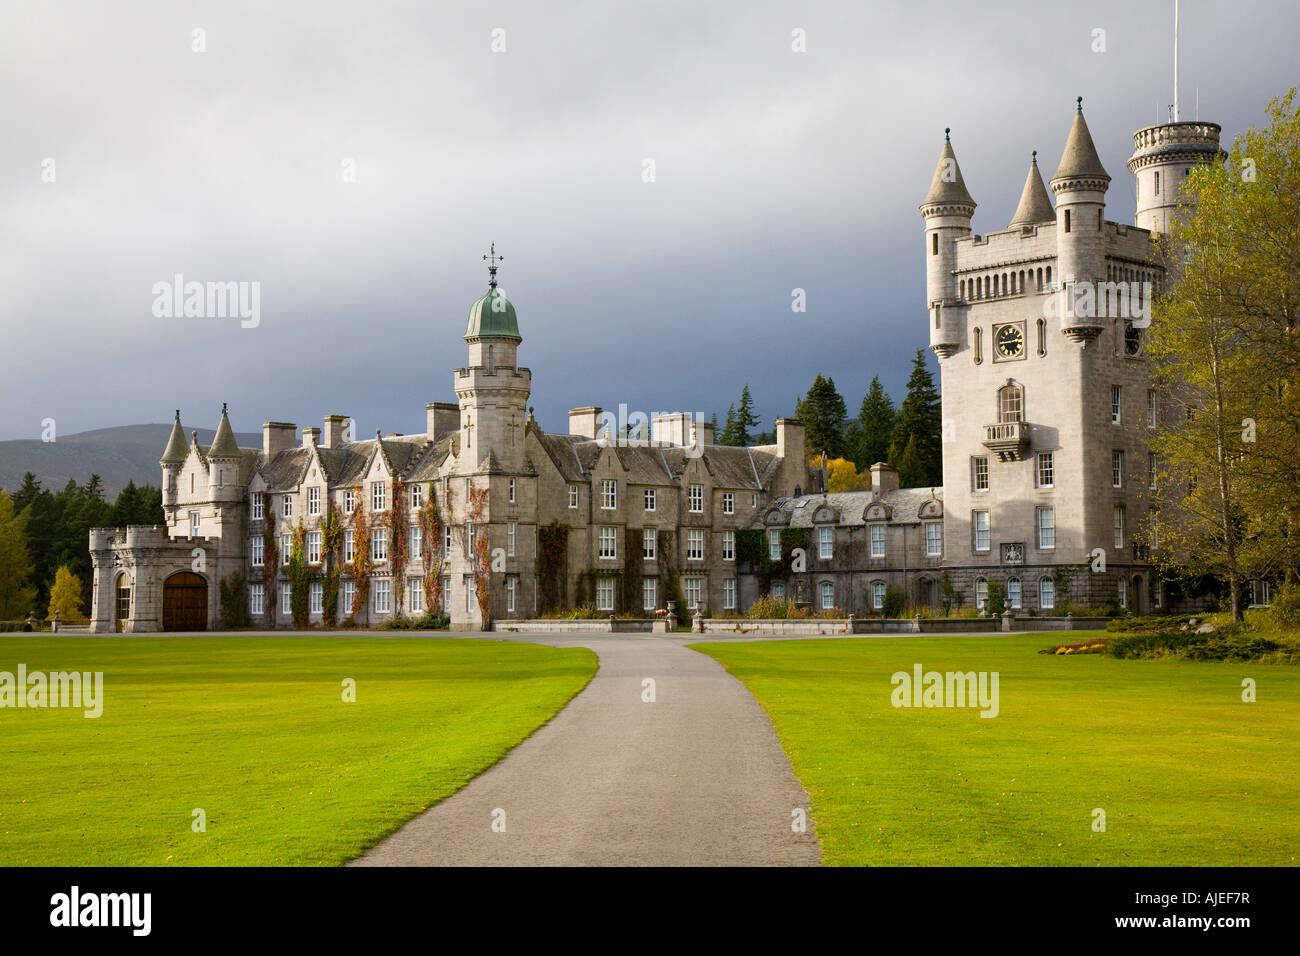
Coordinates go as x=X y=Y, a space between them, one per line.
x=979 y=473
x=470 y=536
x=573 y=496
x=286 y=506
x=877 y=540
x=417 y=541
x=695 y=544
x=604 y=594
x=778 y=590
x=415 y=595
x=729 y=594
x=510 y=594
x=512 y=491
x=378 y=496
x=608 y=543
x=1151 y=408
x=417 y=495
x=728 y=503
x=1010 y=404
x=259 y=552
x=286 y=598
x=1117 y=469
x=286 y=548
x=1151 y=470
x=825 y=543
x=608 y=494
x=774 y=544
x=347 y=594
x=1046 y=469
x=649 y=593
x=649 y=544
x=446 y=594
x=470 y=593
x=1046 y=593
x=934 y=243
x=313 y=501
x=349 y=501
x=349 y=546
x=980 y=521
x=650 y=502
x=255 y=599
x=317 y=598
x=1115 y=395
x=729 y=545
x=510 y=538
x=1157 y=593
x=446 y=541
x=257 y=506
x=753 y=500
x=1119 y=527
x=313 y=547
x=383 y=596
x=194 y=524
x=1157 y=183
x=1046 y=521
x=981 y=593
x=1123 y=592
x=933 y=539
x=379 y=545
x=878 y=595
x=1067 y=217
x=696 y=497
x=828 y=595
x=692 y=588
x=1013 y=593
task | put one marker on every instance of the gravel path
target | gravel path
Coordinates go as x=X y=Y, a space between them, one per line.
x=695 y=778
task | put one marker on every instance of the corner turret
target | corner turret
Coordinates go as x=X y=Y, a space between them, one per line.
x=947 y=210
x=1080 y=186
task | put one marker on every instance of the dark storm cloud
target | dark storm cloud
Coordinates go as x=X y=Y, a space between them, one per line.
x=775 y=170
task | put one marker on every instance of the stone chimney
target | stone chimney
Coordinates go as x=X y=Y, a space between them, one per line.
x=335 y=428
x=790 y=439
x=884 y=478
x=701 y=433
x=310 y=437
x=440 y=418
x=276 y=437
x=585 y=421
x=671 y=428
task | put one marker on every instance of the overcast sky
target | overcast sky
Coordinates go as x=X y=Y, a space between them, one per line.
x=774 y=170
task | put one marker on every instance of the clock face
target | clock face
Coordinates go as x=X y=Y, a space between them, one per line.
x=1010 y=341
x=1132 y=340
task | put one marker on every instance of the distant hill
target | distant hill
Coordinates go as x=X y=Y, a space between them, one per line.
x=117 y=455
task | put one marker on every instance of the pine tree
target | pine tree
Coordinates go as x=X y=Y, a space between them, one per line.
x=874 y=426
x=920 y=418
x=65 y=597
x=746 y=421
x=822 y=412
x=17 y=596
x=911 y=470
x=729 y=429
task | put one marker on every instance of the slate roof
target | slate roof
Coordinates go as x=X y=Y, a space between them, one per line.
x=1035 y=204
x=1080 y=158
x=649 y=464
x=852 y=505
x=947 y=190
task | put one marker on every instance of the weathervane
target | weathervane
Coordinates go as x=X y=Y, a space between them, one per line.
x=492 y=261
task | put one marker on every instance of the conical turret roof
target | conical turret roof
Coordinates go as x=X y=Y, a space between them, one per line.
x=176 y=447
x=947 y=187
x=1080 y=158
x=1035 y=204
x=223 y=443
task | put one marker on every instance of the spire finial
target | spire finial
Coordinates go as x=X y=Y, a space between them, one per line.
x=946 y=138
x=1078 y=105
x=223 y=408
x=492 y=261
x=1035 y=157
x=178 y=414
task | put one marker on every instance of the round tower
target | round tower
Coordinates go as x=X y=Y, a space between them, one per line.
x=1080 y=185
x=172 y=460
x=223 y=463
x=947 y=210
x=1162 y=157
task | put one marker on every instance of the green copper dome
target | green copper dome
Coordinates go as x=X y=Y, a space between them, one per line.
x=493 y=315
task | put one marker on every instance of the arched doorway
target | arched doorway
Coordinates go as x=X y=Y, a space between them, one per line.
x=185 y=602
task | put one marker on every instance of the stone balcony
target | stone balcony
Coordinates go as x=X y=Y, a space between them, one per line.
x=1007 y=440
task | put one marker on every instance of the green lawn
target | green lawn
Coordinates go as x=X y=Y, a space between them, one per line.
x=254 y=731
x=1186 y=773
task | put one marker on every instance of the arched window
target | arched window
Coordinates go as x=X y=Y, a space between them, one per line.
x=1042 y=336
x=1049 y=275
x=878 y=595
x=1013 y=593
x=981 y=593
x=961 y=289
x=1046 y=593
x=979 y=345
x=1011 y=404
x=1039 y=281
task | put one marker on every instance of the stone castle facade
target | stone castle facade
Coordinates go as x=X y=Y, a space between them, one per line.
x=1047 y=408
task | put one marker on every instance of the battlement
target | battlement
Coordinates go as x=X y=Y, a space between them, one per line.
x=496 y=375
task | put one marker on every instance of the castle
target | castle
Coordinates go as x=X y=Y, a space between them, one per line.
x=1047 y=406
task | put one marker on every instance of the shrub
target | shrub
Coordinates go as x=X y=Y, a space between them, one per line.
x=895 y=601
x=234 y=601
x=429 y=621
x=1285 y=609
x=997 y=602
